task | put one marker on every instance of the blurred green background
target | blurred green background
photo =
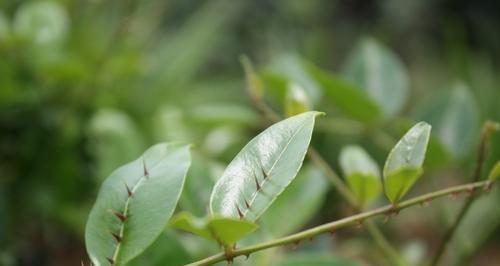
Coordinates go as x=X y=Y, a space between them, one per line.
x=86 y=86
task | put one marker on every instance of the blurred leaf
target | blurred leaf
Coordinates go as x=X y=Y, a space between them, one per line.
x=224 y=230
x=346 y=96
x=306 y=193
x=114 y=140
x=135 y=203
x=253 y=81
x=315 y=259
x=455 y=118
x=495 y=172
x=378 y=71
x=404 y=164
x=263 y=169
x=296 y=101
x=361 y=172
x=4 y=27
x=223 y=112
x=167 y=249
x=292 y=68
x=42 y=22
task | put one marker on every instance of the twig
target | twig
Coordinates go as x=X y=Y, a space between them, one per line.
x=345 y=222
x=488 y=129
x=332 y=176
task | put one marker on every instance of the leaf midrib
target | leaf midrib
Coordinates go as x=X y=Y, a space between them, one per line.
x=256 y=193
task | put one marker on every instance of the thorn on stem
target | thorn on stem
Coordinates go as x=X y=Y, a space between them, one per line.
x=453 y=195
x=120 y=216
x=110 y=260
x=387 y=216
x=246 y=256
x=296 y=244
x=470 y=191
x=333 y=232
x=239 y=212
x=118 y=238
x=360 y=224
x=129 y=192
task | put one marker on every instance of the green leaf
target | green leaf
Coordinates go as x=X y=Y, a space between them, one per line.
x=495 y=172
x=263 y=169
x=404 y=163
x=361 y=172
x=224 y=230
x=296 y=101
x=454 y=116
x=346 y=96
x=293 y=68
x=380 y=73
x=253 y=81
x=135 y=203
x=42 y=22
x=315 y=259
x=306 y=193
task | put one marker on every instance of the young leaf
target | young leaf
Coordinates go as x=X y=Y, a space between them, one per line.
x=404 y=164
x=495 y=172
x=369 y=67
x=134 y=204
x=253 y=81
x=296 y=101
x=361 y=172
x=263 y=169
x=346 y=96
x=224 y=230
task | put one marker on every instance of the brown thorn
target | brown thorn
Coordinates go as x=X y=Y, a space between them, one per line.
x=487 y=187
x=387 y=216
x=129 y=192
x=110 y=260
x=259 y=188
x=118 y=238
x=360 y=224
x=120 y=216
x=264 y=174
x=311 y=238
x=146 y=173
x=246 y=204
x=296 y=244
x=239 y=211
x=471 y=191
x=246 y=256
x=333 y=232
x=453 y=195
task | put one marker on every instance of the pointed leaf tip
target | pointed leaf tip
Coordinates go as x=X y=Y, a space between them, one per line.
x=404 y=164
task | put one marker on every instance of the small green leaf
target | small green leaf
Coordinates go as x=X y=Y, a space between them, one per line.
x=495 y=172
x=224 y=230
x=346 y=96
x=379 y=72
x=263 y=169
x=361 y=172
x=134 y=204
x=296 y=101
x=253 y=81
x=404 y=163
x=454 y=116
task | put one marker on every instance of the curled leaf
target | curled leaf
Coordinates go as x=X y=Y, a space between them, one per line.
x=224 y=230
x=404 y=164
x=361 y=172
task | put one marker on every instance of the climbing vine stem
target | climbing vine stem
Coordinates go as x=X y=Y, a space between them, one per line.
x=331 y=227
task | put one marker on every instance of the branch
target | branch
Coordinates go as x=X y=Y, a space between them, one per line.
x=488 y=129
x=333 y=177
x=345 y=222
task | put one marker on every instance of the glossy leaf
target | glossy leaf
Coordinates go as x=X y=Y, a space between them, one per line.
x=404 y=163
x=296 y=101
x=224 y=230
x=306 y=193
x=346 y=96
x=263 y=169
x=454 y=116
x=495 y=172
x=380 y=73
x=361 y=172
x=134 y=204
